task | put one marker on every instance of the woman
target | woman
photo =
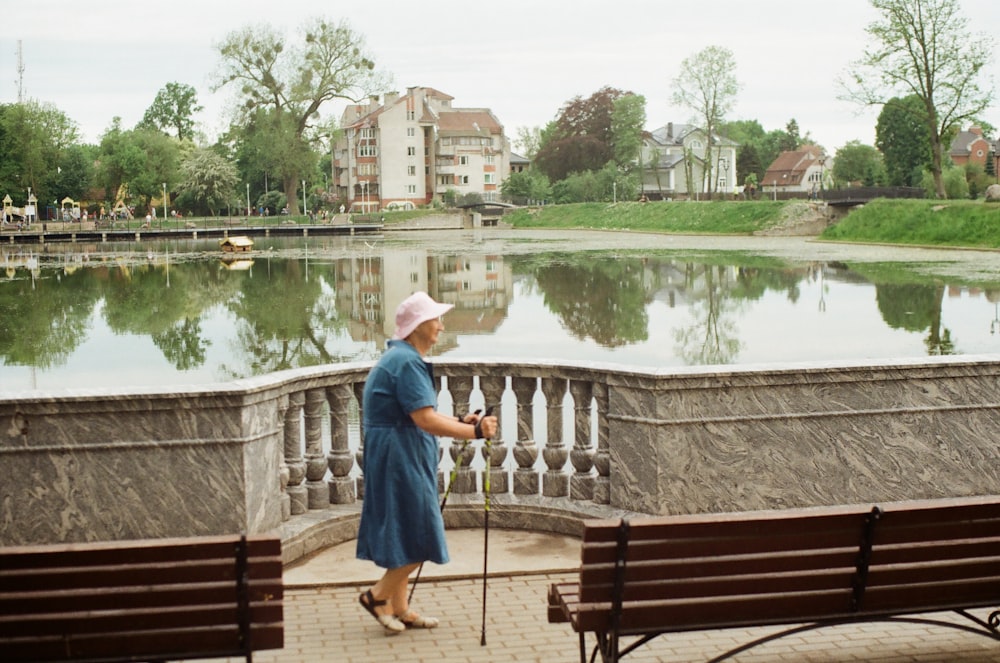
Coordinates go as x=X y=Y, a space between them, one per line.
x=401 y=524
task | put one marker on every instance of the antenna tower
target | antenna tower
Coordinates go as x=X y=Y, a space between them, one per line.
x=20 y=73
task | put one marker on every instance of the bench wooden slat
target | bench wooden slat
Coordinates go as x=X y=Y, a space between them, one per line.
x=132 y=552
x=140 y=597
x=141 y=600
x=169 y=645
x=818 y=565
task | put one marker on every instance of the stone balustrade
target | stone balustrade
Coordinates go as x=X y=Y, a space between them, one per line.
x=282 y=452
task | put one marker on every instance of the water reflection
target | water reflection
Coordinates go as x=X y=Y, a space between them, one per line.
x=74 y=316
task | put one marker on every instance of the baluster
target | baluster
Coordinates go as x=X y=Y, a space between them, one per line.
x=293 y=453
x=442 y=389
x=317 y=492
x=602 y=459
x=284 y=474
x=555 y=482
x=492 y=388
x=581 y=484
x=465 y=479
x=359 y=388
x=525 y=450
x=340 y=460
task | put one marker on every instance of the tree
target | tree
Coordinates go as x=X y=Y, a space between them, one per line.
x=35 y=137
x=628 y=117
x=528 y=140
x=526 y=187
x=902 y=136
x=580 y=138
x=924 y=48
x=209 y=181
x=172 y=110
x=293 y=83
x=857 y=163
x=707 y=85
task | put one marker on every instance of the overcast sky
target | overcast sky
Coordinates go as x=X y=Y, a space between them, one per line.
x=523 y=59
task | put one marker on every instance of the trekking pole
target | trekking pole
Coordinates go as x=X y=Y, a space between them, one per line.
x=444 y=500
x=487 y=445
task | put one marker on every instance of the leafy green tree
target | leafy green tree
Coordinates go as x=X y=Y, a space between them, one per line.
x=580 y=139
x=526 y=187
x=956 y=186
x=925 y=48
x=292 y=83
x=208 y=181
x=35 y=137
x=74 y=175
x=749 y=164
x=902 y=136
x=628 y=117
x=857 y=163
x=707 y=85
x=173 y=110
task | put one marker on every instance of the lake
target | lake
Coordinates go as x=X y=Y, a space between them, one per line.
x=165 y=313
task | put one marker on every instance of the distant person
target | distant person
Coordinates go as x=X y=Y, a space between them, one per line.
x=401 y=525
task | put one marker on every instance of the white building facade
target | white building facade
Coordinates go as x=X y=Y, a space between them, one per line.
x=415 y=148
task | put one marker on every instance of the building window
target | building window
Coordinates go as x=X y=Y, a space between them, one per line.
x=463 y=161
x=411 y=115
x=411 y=170
x=411 y=151
x=410 y=131
x=463 y=179
x=411 y=188
x=367 y=150
x=367 y=133
x=489 y=159
x=489 y=178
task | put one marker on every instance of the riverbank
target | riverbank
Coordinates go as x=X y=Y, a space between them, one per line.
x=972 y=224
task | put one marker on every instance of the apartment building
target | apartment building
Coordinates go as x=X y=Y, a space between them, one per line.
x=414 y=148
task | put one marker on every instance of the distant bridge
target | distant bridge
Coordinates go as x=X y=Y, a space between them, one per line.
x=861 y=195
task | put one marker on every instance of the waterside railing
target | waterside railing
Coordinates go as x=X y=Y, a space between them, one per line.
x=282 y=452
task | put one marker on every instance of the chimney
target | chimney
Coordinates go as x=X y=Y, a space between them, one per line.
x=976 y=130
x=391 y=97
x=670 y=130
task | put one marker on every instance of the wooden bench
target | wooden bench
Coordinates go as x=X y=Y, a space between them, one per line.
x=804 y=568
x=152 y=600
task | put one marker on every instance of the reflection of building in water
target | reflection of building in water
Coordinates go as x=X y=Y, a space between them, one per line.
x=372 y=286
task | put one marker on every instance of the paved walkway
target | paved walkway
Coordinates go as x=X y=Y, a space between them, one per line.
x=323 y=621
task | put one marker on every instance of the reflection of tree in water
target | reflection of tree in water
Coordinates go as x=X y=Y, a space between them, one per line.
x=601 y=299
x=42 y=323
x=166 y=303
x=915 y=307
x=712 y=338
x=286 y=320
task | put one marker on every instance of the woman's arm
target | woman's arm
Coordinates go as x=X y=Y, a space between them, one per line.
x=436 y=423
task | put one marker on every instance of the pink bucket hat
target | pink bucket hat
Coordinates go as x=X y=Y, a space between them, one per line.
x=415 y=309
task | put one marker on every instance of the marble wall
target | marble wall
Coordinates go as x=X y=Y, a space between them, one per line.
x=128 y=466
x=747 y=439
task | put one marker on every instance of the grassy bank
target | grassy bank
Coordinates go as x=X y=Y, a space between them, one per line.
x=676 y=217
x=924 y=222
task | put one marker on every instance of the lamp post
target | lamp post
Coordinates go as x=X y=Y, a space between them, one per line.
x=164 y=201
x=248 y=202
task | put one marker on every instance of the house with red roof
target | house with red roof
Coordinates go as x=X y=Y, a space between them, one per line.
x=805 y=170
x=970 y=147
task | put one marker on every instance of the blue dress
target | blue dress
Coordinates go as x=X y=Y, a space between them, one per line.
x=401 y=520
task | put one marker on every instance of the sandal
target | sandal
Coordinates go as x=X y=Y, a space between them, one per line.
x=411 y=619
x=390 y=623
